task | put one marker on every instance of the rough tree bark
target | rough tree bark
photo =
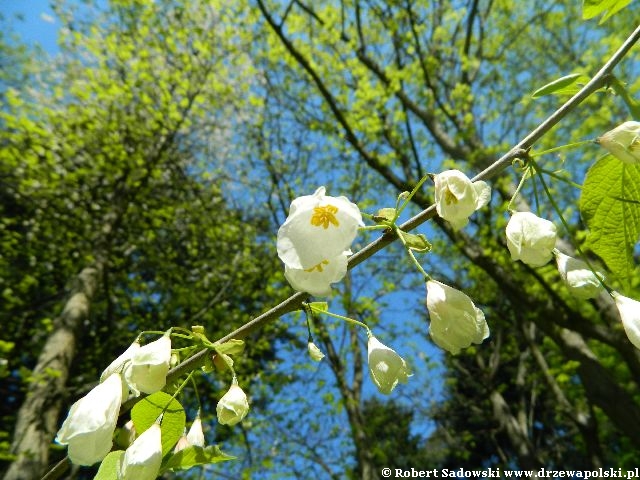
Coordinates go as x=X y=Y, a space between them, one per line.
x=37 y=420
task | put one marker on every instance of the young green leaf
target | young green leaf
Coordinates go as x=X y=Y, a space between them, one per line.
x=193 y=456
x=417 y=242
x=146 y=411
x=610 y=205
x=593 y=8
x=109 y=467
x=232 y=347
x=567 y=85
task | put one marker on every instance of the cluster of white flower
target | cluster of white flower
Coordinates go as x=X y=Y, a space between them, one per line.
x=532 y=240
x=89 y=427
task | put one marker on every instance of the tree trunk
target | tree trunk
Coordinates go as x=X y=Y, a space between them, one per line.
x=37 y=420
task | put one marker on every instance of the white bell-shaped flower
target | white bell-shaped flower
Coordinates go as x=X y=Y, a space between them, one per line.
x=120 y=365
x=623 y=142
x=456 y=322
x=386 y=367
x=88 y=429
x=314 y=352
x=457 y=197
x=530 y=238
x=576 y=274
x=147 y=371
x=318 y=278
x=142 y=460
x=233 y=406
x=318 y=227
x=630 y=315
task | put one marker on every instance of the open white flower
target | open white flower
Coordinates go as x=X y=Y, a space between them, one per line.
x=88 y=429
x=318 y=278
x=314 y=352
x=457 y=197
x=456 y=322
x=630 y=314
x=530 y=238
x=149 y=366
x=318 y=227
x=233 y=406
x=142 y=460
x=386 y=367
x=623 y=142
x=578 y=277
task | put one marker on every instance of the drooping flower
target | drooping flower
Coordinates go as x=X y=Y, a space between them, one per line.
x=149 y=366
x=630 y=315
x=530 y=238
x=317 y=279
x=386 y=367
x=623 y=142
x=576 y=274
x=121 y=363
x=88 y=429
x=456 y=322
x=314 y=352
x=319 y=227
x=457 y=197
x=233 y=406
x=142 y=460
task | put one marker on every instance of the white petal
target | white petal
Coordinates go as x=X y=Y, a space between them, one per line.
x=630 y=315
x=89 y=427
x=318 y=279
x=142 y=460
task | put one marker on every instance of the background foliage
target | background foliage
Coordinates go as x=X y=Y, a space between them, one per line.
x=164 y=143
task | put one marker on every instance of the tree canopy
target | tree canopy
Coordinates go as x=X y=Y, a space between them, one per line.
x=145 y=170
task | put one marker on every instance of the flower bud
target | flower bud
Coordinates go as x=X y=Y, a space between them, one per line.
x=89 y=427
x=141 y=461
x=623 y=142
x=233 y=406
x=456 y=322
x=318 y=227
x=386 y=367
x=119 y=364
x=195 y=436
x=314 y=352
x=457 y=197
x=530 y=238
x=578 y=277
x=630 y=314
x=149 y=366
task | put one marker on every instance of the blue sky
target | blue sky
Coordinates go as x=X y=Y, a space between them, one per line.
x=33 y=20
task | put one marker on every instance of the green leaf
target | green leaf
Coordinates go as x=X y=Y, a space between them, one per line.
x=145 y=413
x=193 y=456
x=322 y=306
x=384 y=215
x=593 y=8
x=610 y=206
x=232 y=347
x=567 y=85
x=417 y=242
x=109 y=467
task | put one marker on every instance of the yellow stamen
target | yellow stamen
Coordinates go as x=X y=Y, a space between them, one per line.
x=319 y=267
x=323 y=216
